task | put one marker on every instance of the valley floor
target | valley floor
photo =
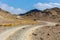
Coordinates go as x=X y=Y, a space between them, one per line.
x=21 y=32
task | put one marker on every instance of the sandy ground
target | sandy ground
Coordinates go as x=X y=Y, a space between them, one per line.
x=21 y=32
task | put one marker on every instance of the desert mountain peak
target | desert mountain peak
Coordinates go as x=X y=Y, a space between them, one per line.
x=47 y=14
x=34 y=10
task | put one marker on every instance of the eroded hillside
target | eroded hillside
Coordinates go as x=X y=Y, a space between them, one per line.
x=8 y=19
x=52 y=15
x=33 y=25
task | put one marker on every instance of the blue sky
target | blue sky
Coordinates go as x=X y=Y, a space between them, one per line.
x=26 y=5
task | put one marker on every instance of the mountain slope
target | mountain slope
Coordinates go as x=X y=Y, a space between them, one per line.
x=8 y=19
x=52 y=14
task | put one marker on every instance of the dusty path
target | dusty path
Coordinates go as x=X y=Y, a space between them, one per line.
x=21 y=32
x=7 y=33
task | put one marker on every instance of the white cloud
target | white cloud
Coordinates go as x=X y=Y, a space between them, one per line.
x=43 y=6
x=11 y=9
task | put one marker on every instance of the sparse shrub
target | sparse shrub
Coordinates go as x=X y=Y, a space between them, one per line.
x=6 y=24
x=57 y=24
x=59 y=21
x=35 y=19
x=27 y=15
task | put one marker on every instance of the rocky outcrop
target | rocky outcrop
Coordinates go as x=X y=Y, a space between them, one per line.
x=52 y=14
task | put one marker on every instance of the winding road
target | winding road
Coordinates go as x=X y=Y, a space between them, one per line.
x=22 y=32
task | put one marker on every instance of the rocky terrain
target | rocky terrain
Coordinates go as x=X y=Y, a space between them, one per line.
x=46 y=15
x=33 y=25
x=8 y=19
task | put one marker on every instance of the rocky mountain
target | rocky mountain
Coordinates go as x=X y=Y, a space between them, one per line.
x=52 y=14
x=30 y=17
x=41 y=30
x=6 y=18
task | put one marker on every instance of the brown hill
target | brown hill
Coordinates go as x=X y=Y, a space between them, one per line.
x=8 y=19
x=31 y=17
x=52 y=14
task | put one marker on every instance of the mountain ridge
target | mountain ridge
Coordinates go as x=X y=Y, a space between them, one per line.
x=46 y=15
x=30 y=17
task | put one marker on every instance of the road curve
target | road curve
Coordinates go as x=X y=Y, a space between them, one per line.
x=22 y=34
x=9 y=32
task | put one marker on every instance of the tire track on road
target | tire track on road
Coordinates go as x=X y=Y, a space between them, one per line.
x=24 y=33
